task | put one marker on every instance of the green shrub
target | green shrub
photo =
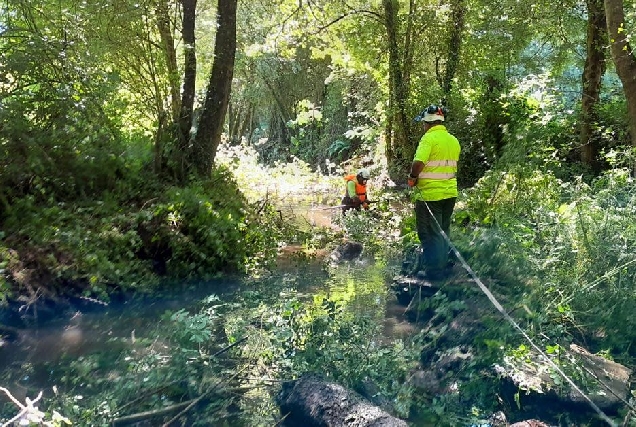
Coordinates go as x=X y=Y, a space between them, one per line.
x=131 y=239
x=562 y=248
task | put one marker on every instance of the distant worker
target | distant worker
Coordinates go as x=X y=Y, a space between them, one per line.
x=433 y=177
x=356 y=191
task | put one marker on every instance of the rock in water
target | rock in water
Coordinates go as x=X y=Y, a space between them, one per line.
x=348 y=251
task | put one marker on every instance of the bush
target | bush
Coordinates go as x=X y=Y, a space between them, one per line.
x=130 y=240
x=563 y=247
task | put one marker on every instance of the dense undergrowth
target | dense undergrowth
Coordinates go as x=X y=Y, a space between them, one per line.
x=136 y=236
x=99 y=247
x=563 y=249
x=556 y=252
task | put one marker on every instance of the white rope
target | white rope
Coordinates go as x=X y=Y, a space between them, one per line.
x=506 y=316
x=26 y=409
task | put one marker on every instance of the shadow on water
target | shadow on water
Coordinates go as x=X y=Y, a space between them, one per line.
x=39 y=356
x=78 y=332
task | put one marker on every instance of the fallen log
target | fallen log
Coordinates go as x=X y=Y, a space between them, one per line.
x=310 y=401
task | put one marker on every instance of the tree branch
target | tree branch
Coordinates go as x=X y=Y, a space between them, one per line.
x=375 y=15
x=198 y=399
x=230 y=346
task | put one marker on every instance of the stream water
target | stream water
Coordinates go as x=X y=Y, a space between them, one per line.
x=41 y=358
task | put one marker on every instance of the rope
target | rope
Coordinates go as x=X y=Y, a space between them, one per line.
x=506 y=316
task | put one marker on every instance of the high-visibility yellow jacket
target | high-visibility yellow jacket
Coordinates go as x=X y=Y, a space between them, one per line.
x=439 y=151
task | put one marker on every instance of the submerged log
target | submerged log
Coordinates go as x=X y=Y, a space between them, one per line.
x=530 y=423
x=311 y=401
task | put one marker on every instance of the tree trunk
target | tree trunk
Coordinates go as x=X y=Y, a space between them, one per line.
x=170 y=53
x=401 y=149
x=624 y=59
x=251 y=125
x=217 y=97
x=592 y=74
x=458 y=11
x=494 y=118
x=246 y=124
x=233 y=119
x=408 y=47
x=388 y=134
x=189 y=84
x=310 y=401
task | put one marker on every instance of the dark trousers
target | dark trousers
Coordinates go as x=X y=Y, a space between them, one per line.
x=434 y=246
x=349 y=204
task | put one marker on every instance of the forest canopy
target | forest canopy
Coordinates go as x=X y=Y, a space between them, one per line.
x=316 y=80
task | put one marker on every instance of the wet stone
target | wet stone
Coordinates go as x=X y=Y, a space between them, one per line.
x=347 y=251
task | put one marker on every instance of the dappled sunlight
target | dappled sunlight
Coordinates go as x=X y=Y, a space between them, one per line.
x=307 y=315
x=292 y=183
x=174 y=252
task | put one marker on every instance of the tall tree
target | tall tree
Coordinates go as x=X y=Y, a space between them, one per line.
x=165 y=27
x=623 y=57
x=591 y=85
x=212 y=118
x=457 y=23
x=400 y=150
x=189 y=84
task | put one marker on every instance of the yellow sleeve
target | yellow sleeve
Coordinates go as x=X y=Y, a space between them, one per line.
x=351 y=189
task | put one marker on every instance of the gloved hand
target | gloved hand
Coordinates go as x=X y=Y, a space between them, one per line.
x=412 y=182
x=365 y=205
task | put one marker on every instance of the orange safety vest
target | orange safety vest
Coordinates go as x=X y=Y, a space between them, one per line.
x=361 y=190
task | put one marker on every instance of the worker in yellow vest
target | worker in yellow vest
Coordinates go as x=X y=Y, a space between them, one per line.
x=356 y=191
x=433 y=178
